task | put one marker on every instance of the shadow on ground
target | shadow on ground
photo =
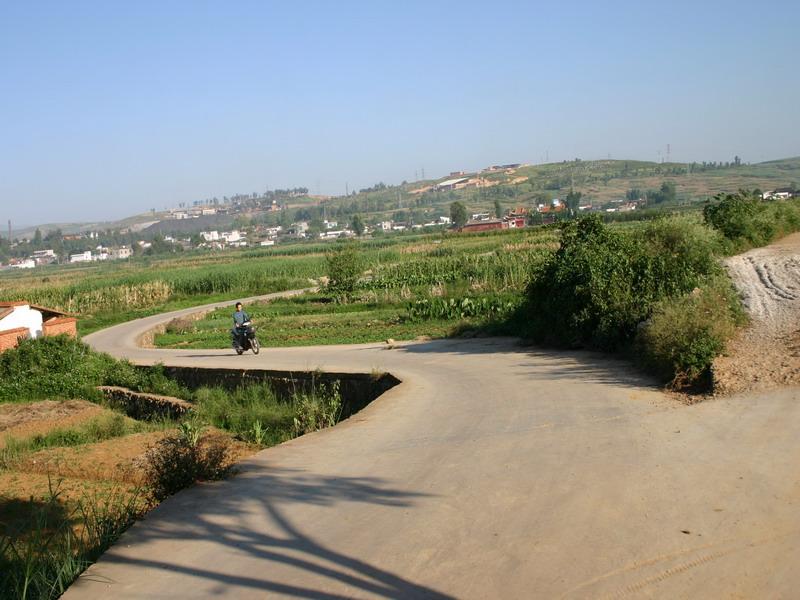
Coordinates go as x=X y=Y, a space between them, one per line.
x=213 y=513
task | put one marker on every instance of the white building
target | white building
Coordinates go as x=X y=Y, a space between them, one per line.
x=82 y=257
x=208 y=211
x=121 y=253
x=14 y=315
x=330 y=224
x=444 y=220
x=267 y=243
x=210 y=236
x=386 y=225
x=28 y=263
x=231 y=236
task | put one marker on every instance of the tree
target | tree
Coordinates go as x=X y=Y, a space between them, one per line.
x=37 y=238
x=458 y=214
x=572 y=200
x=358 y=225
x=498 y=209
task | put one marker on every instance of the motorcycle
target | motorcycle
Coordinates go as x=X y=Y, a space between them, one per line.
x=245 y=339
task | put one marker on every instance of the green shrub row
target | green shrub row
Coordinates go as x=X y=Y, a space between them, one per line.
x=63 y=367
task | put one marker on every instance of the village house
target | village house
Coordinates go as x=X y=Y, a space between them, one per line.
x=44 y=257
x=26 y=263
x=21 y=320
x=121 y=253
x=81 y=257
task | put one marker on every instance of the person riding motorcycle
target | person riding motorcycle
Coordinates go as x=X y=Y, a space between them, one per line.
x=240 y=317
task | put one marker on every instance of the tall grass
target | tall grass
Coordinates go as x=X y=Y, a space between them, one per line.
x=45 y=553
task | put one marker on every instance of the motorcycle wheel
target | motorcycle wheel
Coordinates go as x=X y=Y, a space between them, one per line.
x=239 y=351
x=254 y=346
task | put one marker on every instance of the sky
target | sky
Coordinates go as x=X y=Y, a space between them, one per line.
x=108 y=109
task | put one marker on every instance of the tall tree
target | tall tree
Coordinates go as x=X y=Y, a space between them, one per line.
x=358 y=225
x=498 y=209
x=458 y=214
x=573 y=200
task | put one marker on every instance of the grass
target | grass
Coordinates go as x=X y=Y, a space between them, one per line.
x=100 y=428
x=312 y=319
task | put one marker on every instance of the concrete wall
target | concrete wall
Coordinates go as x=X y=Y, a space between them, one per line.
x=356 y=389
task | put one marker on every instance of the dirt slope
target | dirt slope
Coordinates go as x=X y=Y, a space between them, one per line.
x=767 y=353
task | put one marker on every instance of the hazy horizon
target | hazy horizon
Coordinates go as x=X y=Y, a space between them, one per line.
x=110 y=110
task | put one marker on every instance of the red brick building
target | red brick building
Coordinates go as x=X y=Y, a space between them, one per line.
x=21 y=320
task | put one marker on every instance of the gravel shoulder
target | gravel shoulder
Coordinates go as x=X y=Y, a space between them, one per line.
x=766 y=354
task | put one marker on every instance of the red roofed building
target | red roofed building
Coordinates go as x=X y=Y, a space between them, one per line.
x=21 y=320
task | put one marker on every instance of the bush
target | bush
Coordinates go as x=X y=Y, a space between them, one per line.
x=684 y=335
x=587 y=292
x=180 y=459
x=344 y=269
x=601 y=283
x=740 y=218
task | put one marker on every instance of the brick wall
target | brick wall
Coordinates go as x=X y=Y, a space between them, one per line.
x=10 y=337
x=61 y=325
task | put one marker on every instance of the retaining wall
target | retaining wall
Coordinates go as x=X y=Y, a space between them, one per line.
x=356 y=389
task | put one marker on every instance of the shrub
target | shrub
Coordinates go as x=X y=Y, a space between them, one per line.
x=740 y=218
x=602 y=282
x=588 y=291
x=684 y=335
x=181 y=459
x=344 y=269
x=63 y=367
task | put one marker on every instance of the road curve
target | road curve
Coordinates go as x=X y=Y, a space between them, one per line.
x=493 y=471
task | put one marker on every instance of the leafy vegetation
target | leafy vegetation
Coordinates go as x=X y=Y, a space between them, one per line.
x=62 y=367
x=747 y=222
x=42 y=555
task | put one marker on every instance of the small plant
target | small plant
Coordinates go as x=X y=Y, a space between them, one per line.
x=317 y=410
x=174 y=463
x=190 y=432
x=259 y=433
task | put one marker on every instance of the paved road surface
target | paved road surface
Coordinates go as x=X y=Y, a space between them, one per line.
x=492 y=471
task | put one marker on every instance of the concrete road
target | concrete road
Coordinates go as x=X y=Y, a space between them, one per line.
x=492 y=471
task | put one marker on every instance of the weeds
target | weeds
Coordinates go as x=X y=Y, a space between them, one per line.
x=183 y=458
x=43 y=555
x=317 y=410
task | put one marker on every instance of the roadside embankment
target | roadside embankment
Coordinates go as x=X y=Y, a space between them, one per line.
x=767 y=353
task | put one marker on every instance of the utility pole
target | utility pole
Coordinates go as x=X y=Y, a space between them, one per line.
x=423 y=173
x=9 y=231
x=346 y=189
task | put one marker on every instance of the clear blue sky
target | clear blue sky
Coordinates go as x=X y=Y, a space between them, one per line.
x=112 y=108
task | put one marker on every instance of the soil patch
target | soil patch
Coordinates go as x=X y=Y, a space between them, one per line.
x=767 y=353
x=35 y=418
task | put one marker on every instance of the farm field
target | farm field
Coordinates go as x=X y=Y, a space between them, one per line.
x=398 y=270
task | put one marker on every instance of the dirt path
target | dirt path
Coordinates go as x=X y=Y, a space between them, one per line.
x=767 y=353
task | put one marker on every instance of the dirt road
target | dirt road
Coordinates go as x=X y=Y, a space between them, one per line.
x=766 y=354
x=492 y=471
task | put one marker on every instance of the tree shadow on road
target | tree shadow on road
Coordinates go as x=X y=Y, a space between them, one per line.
x=239 y=537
